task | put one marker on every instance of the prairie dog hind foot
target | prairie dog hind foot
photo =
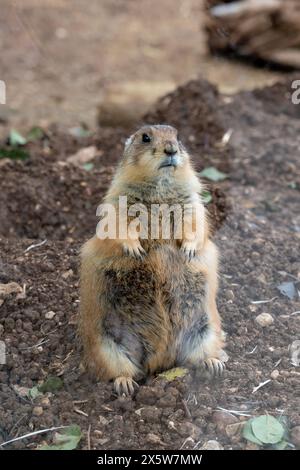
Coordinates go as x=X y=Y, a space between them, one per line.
x=125 y=386
x=213 y=367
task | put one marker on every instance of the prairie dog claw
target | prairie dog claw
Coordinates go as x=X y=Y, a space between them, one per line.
x=189 y=250
x=135 y=250
x=125 y=386
x=214 y=366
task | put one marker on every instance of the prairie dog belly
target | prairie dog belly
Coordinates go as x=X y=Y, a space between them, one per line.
x=183 y=289
x=160 y=290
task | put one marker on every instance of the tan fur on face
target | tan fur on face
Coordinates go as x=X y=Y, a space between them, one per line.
x=141 y=160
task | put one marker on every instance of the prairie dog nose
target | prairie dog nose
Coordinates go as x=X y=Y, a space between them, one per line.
x=170 y=148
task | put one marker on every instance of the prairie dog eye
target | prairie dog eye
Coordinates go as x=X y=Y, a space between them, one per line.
x=146 y=138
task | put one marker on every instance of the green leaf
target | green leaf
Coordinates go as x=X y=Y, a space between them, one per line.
x=34 y=392
x=267 y=429
x=35 y=133
x=79 y=132
x=15 y=138
x=248 y=433
x=52 y=384
x=88 y=166
x=206 y=197
x=211 y=173
x=294 y=185
x=14 y=154
x=172 y=374
x=67 y=439
x=280 y=445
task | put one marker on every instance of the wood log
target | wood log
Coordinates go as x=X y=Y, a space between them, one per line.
x=262 y=29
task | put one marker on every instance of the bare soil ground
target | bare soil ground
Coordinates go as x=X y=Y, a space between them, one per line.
x=257 y=231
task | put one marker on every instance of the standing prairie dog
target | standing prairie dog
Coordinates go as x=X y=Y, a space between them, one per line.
x=148 y=304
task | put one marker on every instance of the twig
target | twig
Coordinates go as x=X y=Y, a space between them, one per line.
x=43 y=341
x=234 y=412
x=186 y=409
x=262 y=384
x=253 y=351
x=89 y=437
x=256 y=302
x=36 y=245
x=16 y=424
x=35 y=433
x=277 y=363
x=226 y=137
x=80 y=412
x=185 y=441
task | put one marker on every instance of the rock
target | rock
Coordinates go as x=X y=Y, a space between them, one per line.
x=153 y=439
x=171 y=425
x=67 y=274
x=212 y=445
x=251 y=446
x=275 y=374
x=295 y=436
x=45 y=402
x=21 y=391
x=149 y=395
x=188 y=429
x=10 y=288
x=229 y=295
x=84 y=155
x=294 y=349
x=223 y=419
x=37 y=411
x=151 y=414
x=102 y=442
x=234 y=430
x=50 y=315
x=103 y=421
x=168 y=401
x=264 y=319
x=4 y=161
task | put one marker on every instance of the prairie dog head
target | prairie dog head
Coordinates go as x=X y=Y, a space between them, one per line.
x=155 y=150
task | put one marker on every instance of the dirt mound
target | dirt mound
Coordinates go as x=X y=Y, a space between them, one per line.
x=277 y=99
x=51 y=200
x=194 y=109
x=46 y=198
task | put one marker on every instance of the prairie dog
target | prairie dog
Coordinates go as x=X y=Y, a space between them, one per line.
x=148 y=304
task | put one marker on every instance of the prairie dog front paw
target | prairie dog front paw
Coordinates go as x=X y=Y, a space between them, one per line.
x=189 y=249
x=133 y=248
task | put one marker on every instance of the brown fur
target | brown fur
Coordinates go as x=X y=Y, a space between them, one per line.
x=139 y=316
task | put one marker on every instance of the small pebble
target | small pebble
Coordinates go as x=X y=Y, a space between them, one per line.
x=50 y=315
x=275 y=374
x=295 y=436
x=37 y=411
x=212 y=445
x=153 y=439
x=188 y=429
x=222 y=419
x=264 y=319
x=234 y=430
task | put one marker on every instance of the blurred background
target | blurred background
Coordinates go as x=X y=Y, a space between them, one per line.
x=84 y=62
